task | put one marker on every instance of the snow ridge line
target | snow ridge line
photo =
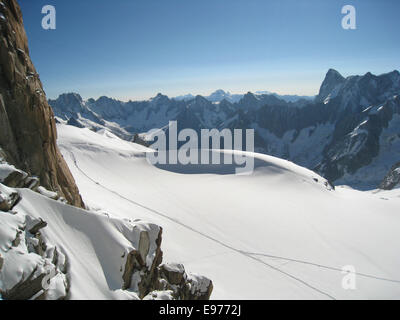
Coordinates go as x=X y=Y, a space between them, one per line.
x=200 y=233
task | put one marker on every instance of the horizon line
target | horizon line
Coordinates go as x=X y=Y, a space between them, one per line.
x=211 y=91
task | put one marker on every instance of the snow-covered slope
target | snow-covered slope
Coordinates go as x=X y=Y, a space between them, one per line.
x=51 y=250
x=281 y=232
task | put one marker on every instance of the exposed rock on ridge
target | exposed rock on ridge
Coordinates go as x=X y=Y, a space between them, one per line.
x=392 y=179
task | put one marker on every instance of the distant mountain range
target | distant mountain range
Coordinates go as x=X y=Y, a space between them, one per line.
x=349 y=132
x=219 y=95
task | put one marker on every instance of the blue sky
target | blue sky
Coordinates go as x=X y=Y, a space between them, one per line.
x=133 y=49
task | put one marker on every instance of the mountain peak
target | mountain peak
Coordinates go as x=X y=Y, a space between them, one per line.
x=159 y=96
x=249 y=95
x=333 y=77
x=103 y=98
x=200 y=98
x=249 y=101
x=219 y=91
x=160 y=99
x=218 y=95
x=333 y=72
x=70 y=96
x=332 y=81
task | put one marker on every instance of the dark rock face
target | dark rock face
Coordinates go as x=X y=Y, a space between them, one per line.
x=27 y=127
x=333 y=79
x=356 y=140
x=392 y=179
x=147 y=279
x=184 y=286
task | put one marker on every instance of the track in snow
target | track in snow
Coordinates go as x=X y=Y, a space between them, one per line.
x=249 y=255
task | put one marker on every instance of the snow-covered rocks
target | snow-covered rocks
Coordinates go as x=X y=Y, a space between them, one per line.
x=199 y=287
x=11 y=176
x=34 y=225
x=184 y=285
x=160 y=295
x=8 y=198
x=173 y=273
x=146 y=276
x=30 y=267
x=143 y=259
x=49 y=194
x=392 y=179
x=15 y=178
x=44 y=251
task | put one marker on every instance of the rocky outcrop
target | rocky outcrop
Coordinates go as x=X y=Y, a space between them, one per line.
x=184 y=286
x=392 y=179
x=15 y=178
x=42 y=268
x=27 y=126
x=139 y=274
x=26 y=243
x=8 y=200
x=146 y=276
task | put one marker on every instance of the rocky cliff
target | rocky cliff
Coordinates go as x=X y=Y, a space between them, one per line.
x=27 y=126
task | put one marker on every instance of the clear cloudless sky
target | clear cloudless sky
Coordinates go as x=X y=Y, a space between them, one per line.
x=133 y=49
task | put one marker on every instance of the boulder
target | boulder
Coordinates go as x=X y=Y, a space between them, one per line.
x=8 y=201
x=185 y=286
x=15 y=179
x=33 y=225
x=32 y=183
x=174 y=273
x=198 y=288
x=26 y=288
x=49 y=194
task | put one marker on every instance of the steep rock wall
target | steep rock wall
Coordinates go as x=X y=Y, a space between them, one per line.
x=27 y=126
